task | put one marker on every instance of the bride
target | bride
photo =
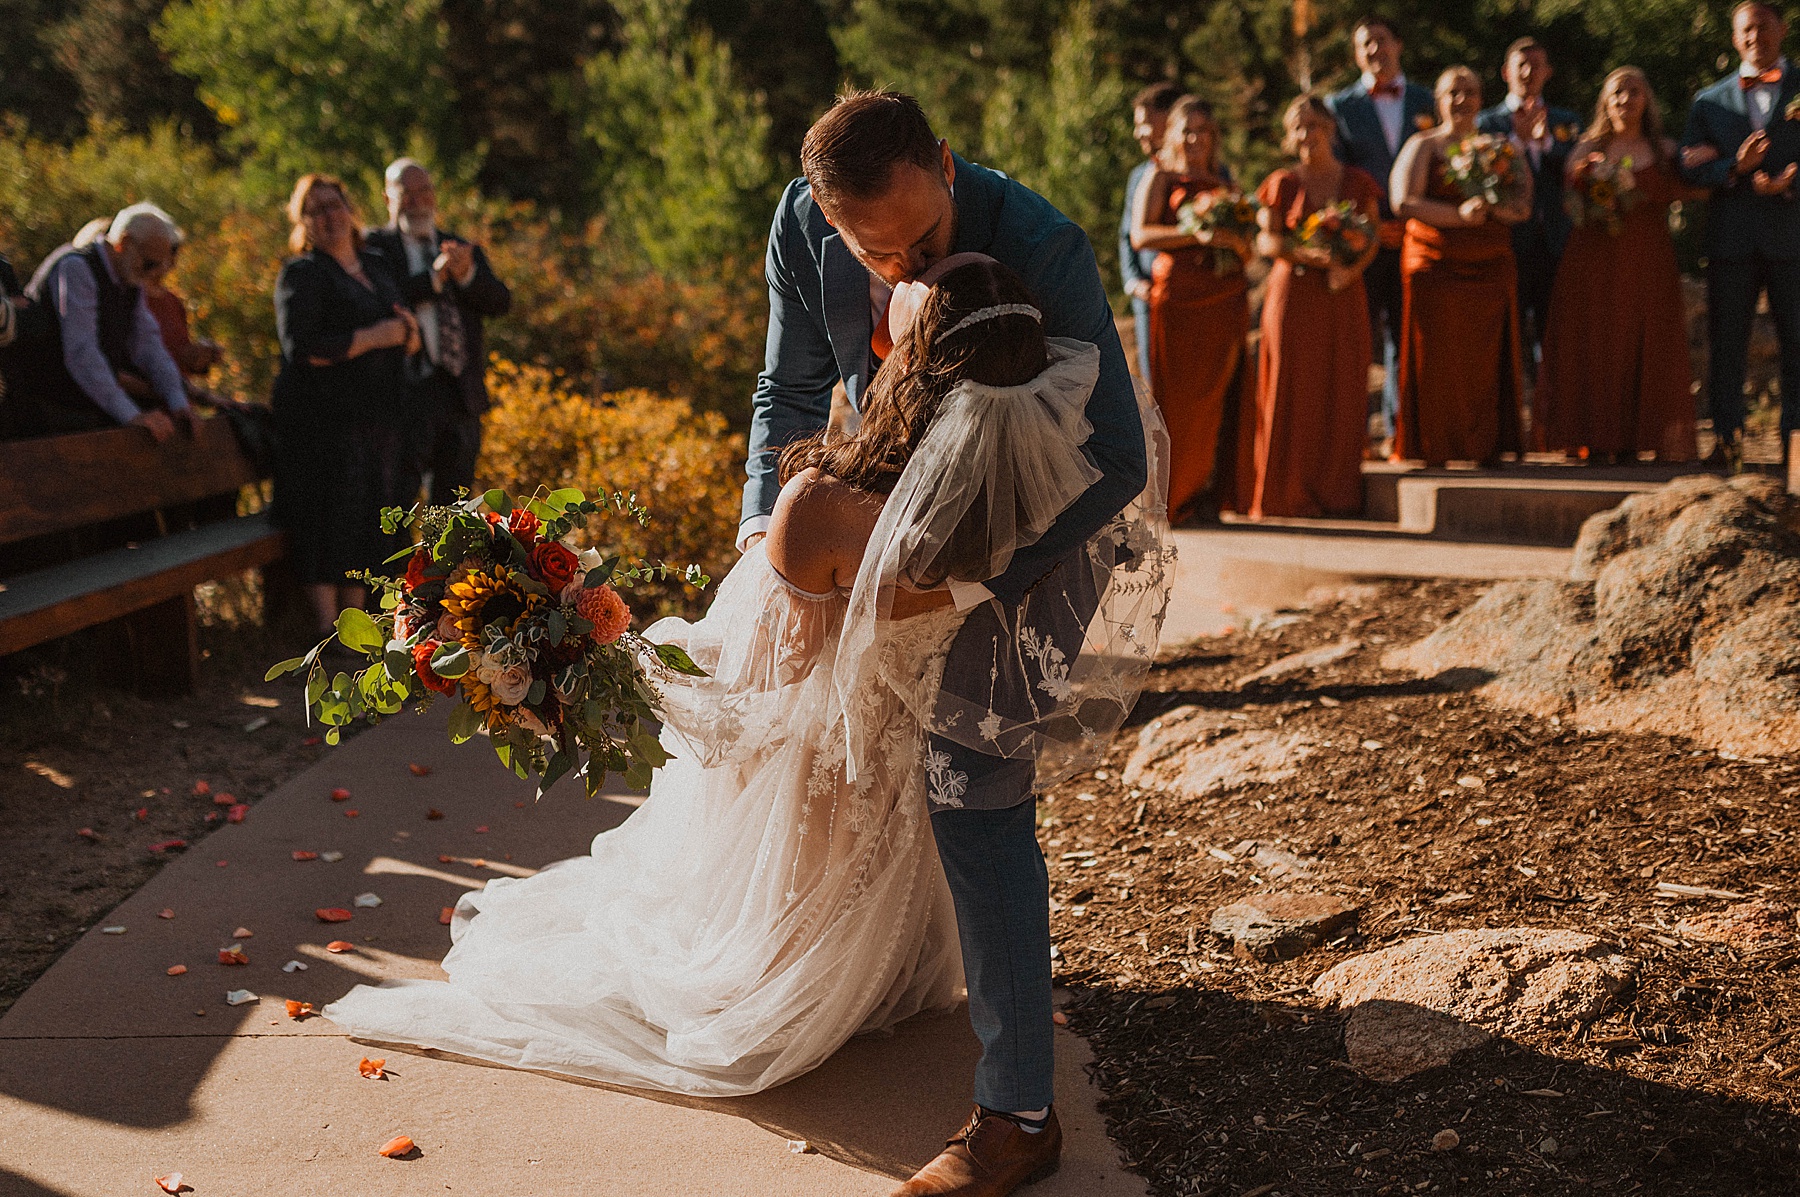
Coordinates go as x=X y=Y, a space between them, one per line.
x=779 y=891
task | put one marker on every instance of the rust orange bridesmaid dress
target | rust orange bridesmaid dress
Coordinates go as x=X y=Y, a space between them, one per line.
x=1199 y=321
x=1616 y=377
x=1303 y=439
x=1459 y=344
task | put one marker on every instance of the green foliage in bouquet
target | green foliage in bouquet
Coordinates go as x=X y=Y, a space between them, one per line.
x=530 y=637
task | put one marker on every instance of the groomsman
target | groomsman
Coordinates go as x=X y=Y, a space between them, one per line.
x=1743 y=141
x=1375 y=116
x=1545 y=135
x=452 y=289
x=1149 y=121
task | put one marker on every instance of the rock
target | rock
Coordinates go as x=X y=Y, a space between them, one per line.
x=1743 y=926
x=1281 y=926
x=1414 y=1006
x=1194 y=751
x=1446 y=1140
x=1312 y=658
x=1680 y=616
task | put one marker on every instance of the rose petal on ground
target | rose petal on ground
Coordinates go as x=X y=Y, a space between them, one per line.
x=176 y=970
x=203 y=787
x=141 y=813
x=167 y=845
x=89 y=834
x=223 y=799
x=340 y=795
x=340 y=946
x=312 y=741
x=333 y=914
x=242 y=933
x=434 y=813
x=445 y=915
x=351 y=814
x=165 y=913
x=299 y=1010
x=221 y=863
x=237 y=812
x=302 y=854
x=442 y=859
x=239 y=997
x=373 y=1069
x=482 y=830
x=233 y=955
x=419 y=770
x=170 y=1183
x=397 y=1146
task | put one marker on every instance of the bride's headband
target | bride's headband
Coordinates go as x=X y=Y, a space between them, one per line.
x=909 y=297
x=993 y=313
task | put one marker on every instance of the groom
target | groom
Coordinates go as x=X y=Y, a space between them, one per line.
x=881 y=200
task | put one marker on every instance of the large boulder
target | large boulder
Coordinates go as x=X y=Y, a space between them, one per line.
x=1416 y=1005
x=1680 y=615
x=1195 y=751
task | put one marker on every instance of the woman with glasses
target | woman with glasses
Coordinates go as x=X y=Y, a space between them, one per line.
x=338 y=398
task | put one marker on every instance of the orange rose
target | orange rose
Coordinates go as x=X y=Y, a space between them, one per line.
x=415 y=569
x=421 y=655
x=523 y=525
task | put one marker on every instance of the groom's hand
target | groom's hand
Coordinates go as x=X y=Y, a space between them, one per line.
x=751 y=540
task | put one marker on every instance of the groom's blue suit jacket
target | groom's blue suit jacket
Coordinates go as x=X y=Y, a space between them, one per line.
x=819 y=326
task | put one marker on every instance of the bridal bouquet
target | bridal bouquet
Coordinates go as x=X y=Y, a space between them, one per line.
x=1600 y=193
x=1485 y=167
x=1341 y=231
x=531 y=636
x=1213 y=212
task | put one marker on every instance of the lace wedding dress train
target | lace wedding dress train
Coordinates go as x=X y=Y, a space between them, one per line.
x=759 y=909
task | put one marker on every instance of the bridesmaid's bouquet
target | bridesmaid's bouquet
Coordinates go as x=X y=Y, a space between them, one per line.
x=529 y=635
x=1485 y=167
x=1214 y=212
x=1341 y=231
x=1600 y=193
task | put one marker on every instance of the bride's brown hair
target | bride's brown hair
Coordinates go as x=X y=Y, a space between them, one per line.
x=927 y=363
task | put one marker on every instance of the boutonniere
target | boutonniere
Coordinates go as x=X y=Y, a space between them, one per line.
x=1564 y=133
x=1792 y=111
x=1424 y=120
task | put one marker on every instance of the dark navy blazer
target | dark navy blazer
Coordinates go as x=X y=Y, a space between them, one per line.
x=1740 y=223
x=1548 y=218
x=1360 y=141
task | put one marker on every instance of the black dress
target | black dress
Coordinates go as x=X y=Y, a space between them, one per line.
x=339 y=426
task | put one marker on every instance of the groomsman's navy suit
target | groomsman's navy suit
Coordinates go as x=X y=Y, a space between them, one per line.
x=1538 y=243
x=1362 y=142
x=1752 y=243
x=820 y=320
x=1135 y=265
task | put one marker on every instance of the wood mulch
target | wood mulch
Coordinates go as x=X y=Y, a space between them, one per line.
x=1433 y=811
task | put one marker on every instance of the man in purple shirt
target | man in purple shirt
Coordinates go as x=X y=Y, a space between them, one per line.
x=67 y=380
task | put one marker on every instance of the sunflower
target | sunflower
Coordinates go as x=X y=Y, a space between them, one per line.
x=483 y=597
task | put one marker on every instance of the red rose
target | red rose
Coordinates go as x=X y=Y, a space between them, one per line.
x=523 y=525
x=415 y=569
x=554 y=565
x=422 y=654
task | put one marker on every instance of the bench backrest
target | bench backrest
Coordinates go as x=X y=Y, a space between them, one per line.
x=55 y=483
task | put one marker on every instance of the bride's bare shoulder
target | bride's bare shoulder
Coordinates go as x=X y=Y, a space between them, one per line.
x=818 y=530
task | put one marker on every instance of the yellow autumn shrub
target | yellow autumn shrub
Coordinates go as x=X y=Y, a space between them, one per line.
x=685 y=465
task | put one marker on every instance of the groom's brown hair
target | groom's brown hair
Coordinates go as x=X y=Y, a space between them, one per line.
x=850 y=152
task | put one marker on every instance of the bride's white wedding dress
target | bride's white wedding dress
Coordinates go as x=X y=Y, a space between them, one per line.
x=755 y=912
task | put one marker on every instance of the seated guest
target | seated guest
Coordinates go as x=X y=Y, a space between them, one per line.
x=1616 y=379
x=1752 y=220
x=1546 y=134
x=98 y=327
x=1302 y=447
x=1149 y=123
x=194 y=357
x=451 y=288
x=1459 y=342
x=1199 y=310
x=339 y=398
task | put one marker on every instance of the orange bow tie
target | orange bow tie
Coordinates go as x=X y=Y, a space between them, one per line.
x=1767 y=78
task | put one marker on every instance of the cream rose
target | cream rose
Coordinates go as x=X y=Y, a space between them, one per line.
x=511 y=684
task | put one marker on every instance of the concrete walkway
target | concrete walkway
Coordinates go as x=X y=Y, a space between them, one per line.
x=113 y=1072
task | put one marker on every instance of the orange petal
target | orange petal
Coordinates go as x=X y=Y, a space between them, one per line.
x=340 y=795
x=373 y=1069
x=419 y=770
x=175 y=970
x=301 y=854
x=237 y=812
x=434 y=813
x=223 y=800
x=233 y=955
x=88 y=833
x=340 y=946
x=445 y=914
x=446 y=859
x=396 y=1146
x=165 y=913
x=351 y=814
x=333 y=914
x=482 y=829
x=242 y=933
x=202 y=787
x=172 y=1182
x=299 y=1010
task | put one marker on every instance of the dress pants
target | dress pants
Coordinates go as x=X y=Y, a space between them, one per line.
x=1732 y=285
x=1140 y=318
x=1387 y=301
x=446 y=440
x=1536 y=267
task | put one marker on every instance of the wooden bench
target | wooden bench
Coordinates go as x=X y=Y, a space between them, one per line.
x=112 y=528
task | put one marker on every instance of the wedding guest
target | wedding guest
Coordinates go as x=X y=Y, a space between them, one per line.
x=1149 y=123
x=1199 y=310
x=1459 y=348
x=451 y=288
x=170 y=310
x=1616 y=379
x=1749 y=120
x=12 y=304
x=1546 y=133
x=98 y=327
x=1375 y=116
x=1303 y=441
x=339 y=400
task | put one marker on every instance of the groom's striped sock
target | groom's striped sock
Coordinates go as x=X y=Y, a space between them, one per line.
x=1029 y=1121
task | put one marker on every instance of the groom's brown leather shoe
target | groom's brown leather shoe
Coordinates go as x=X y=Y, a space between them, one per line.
x=989 y=1157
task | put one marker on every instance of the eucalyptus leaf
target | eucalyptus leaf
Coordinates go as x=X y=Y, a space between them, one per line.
x=465 y=722
x=287 y=666
x=356 y=631
x=498 y=501
x=677 y=659
x=450 y=661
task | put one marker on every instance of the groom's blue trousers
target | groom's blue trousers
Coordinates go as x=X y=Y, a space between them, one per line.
x=1001 y=889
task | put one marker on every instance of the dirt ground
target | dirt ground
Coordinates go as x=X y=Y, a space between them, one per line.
x=1226 y=1077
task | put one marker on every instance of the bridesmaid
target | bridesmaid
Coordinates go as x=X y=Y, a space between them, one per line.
x=1199 y=310
x=1616 y=378
x=1459 y=350
x=1303 y=442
